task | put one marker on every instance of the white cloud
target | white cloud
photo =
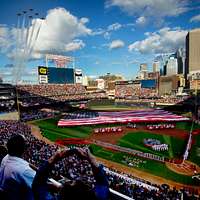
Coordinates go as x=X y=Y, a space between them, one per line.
x=147 y=33
x=75 y=45
x=107 y=35
x=5 y=36
x=141 y=21
x=107 y=31
x=5 y=73
x=31 y=72
x=59 y=33
x=156 y=9
x=195 y=18
x=114 y=27
x=150 y=7
x=164 y=40
x=98 y=31
x=135 y=61
x=59 y=30
x=116 y=44
x=84 y=20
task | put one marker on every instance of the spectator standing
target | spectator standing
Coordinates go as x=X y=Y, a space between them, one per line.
x=3 y=152
x=74 y=189
x=16 y=175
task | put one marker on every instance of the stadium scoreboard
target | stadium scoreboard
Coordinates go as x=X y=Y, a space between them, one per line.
x=56 y=75
x=60 y=75
x=148 y=83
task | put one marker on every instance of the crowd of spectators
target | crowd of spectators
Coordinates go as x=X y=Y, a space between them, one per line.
x=172 y=99
x=49 y=94
x=37 y=151
x=74 y=167
x=147 y=93
x=139 y=94
x=134 y=92
x=144 y=190
x=125 y=91
x=8 y=105
x=35 y=115
x=50 y=89
x=46 y=94
x=50 y=100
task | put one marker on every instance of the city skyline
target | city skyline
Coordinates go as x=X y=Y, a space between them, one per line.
x=112 y=36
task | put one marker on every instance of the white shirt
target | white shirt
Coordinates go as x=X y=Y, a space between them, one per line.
x=16 y=178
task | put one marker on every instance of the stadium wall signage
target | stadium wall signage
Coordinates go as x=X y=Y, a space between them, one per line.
x=43 y=74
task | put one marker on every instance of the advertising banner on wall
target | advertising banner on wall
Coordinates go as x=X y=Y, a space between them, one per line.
x=43 y=74
x=78 y=76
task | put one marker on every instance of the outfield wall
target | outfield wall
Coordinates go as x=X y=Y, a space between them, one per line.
x=101 y=102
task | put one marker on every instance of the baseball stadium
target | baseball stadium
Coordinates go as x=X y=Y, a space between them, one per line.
x=67 y=134
x=154 y=145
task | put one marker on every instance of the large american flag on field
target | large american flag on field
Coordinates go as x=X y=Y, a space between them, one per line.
x=150 y=115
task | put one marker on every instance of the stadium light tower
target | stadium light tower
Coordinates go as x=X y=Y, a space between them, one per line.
x=26 y=33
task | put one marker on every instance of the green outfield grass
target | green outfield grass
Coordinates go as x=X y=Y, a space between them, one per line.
x=194 y=155
x=150 y=166
x=134 y=140
x=113 y=107
x=50 y=130
x=186 y=126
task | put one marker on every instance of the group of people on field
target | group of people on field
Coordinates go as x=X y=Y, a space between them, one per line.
x=115 y=129
x=160 y=126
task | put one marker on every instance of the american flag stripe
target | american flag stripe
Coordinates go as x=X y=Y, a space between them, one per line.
x=151 y=115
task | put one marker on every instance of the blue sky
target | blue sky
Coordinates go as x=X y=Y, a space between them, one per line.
x=112 y=36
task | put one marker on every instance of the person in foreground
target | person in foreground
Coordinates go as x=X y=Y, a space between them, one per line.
x=16 y=176
x=3 y=152
x=75 y=190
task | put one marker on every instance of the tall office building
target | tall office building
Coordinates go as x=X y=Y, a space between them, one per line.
x=143 y=73
x=180 y=55
x=156 y=66
x=192 y=64
x=164 y=70
x=162 y=59
x=172 y=66
x=143 y=67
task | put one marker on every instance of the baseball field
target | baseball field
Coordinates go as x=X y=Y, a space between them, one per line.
x=176 y=139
